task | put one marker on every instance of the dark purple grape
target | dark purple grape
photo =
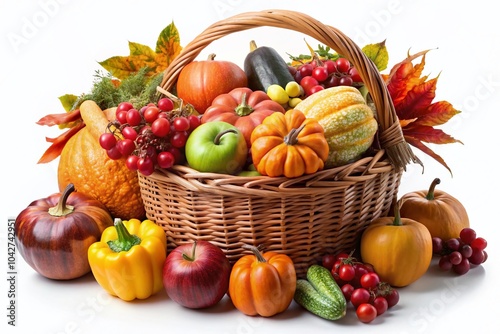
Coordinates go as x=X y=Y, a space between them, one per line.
x=466 y=251
x=437 y=245
x=467 y=235
x=462 y=268
x=444 y=263
x=477 y=256
x=453 y=244
x=455 y=257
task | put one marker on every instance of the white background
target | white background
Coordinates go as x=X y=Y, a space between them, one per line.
x=51 y=47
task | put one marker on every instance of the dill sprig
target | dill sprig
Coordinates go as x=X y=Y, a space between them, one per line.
x=138 y=89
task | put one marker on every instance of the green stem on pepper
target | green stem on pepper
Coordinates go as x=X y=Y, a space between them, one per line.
x=125 y=240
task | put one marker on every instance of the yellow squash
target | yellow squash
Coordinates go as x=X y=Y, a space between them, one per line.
x=349 y=122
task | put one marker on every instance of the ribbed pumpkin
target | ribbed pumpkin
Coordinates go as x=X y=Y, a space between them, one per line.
x=85 y=164
x=348 y=121
x=443 y=215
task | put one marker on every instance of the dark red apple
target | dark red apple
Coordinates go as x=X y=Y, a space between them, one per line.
x=196 y=275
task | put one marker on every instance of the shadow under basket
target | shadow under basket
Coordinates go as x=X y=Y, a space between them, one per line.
x=304 y=217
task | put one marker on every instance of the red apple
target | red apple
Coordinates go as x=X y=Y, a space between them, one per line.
x=196 y=275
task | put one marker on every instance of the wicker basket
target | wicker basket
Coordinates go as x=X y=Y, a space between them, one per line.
x=304 y=217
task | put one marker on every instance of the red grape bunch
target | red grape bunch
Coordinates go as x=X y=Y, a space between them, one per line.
x=149 y=137
x=318 y=75
x=458 y=254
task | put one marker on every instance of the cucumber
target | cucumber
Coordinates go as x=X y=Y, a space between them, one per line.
x=265 y=67
x=320 y=294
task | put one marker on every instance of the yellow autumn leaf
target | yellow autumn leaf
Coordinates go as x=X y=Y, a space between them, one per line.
x=142 y=56
x=378 y=54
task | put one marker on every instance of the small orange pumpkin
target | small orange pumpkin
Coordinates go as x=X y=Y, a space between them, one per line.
x=262 y=284
x=444 y=215
x=399 y=249
x=288 y=144
x=202 y=81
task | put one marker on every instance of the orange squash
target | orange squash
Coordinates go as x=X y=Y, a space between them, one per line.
x=399 y=249
x=444 y=215
x=200 y=82
x=288 y=144
x=262 y=284
x=86 y=165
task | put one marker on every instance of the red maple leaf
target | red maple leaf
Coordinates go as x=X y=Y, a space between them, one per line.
x=413 y=97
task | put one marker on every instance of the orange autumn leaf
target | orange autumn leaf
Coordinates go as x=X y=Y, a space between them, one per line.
x=413 y=97
x=57 y=143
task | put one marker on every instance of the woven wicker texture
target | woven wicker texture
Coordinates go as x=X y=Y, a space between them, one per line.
x=304 y=217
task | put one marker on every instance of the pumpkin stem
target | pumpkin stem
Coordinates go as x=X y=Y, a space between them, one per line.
x=222 y=133
x=256 y=252
x=63 y=209
x=430 y=193
x=125 y=240
x=211 y=56
x=190 y=258
x=397 y=215
x=291 y=138
x=243 y=109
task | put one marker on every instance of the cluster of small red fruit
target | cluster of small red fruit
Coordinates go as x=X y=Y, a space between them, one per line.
x=460 y=254
x=154 y=135
x=361 y=286
x=317 y=75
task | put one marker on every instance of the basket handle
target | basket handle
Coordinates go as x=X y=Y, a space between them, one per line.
x=390 y=134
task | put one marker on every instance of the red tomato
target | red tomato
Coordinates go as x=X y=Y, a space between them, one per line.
x=381 y=305
x=346 y=272
x=360 y=296
x=366 y=312
x=369 y=280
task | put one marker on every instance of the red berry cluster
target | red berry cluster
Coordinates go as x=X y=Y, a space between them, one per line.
x=460 y=254
x=361 y=286
x=317 y=75
x=149 y=137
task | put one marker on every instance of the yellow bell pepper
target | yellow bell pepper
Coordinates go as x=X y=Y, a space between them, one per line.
x=128 y=260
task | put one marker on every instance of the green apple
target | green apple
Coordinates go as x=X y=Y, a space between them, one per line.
x=216 y=147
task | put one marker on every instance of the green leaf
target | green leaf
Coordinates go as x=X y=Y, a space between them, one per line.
x=68 y=101
x=378 y=54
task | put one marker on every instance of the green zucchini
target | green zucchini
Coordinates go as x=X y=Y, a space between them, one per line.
x=320 y=294
x=265 y=67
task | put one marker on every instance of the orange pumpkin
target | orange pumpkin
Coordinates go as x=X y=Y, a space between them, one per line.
x=399 y=249
x=288 y=144
x=86 y=165
x=200 y=82
x=243 y=108
x=441 y=213
x=262 y=284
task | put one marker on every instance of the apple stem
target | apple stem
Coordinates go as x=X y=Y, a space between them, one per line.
x=125 y=240
x=190 y=258
x=63 y=209
x=222 y=133
x=430 y=193
x=256 y=252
